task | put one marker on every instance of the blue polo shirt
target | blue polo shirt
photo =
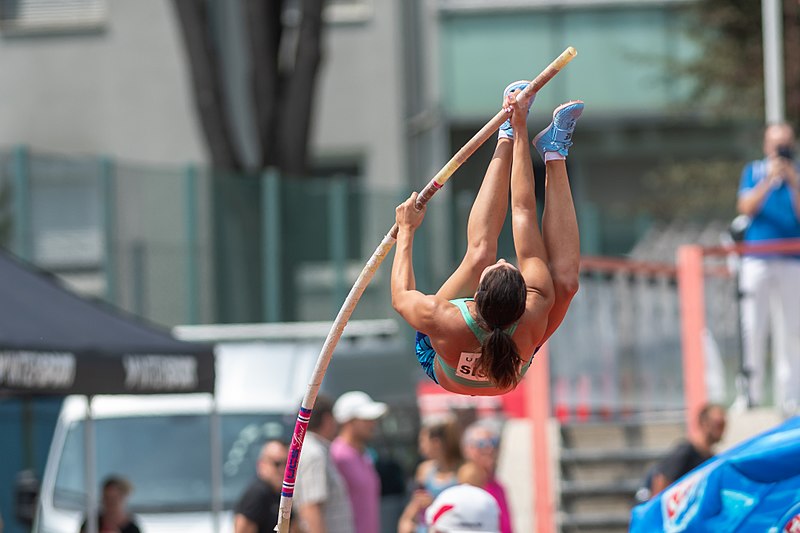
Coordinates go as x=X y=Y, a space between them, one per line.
x=777 y=218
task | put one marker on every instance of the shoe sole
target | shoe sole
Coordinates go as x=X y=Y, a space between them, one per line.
x=565 y=105
x=513 y=83
x=555 y=112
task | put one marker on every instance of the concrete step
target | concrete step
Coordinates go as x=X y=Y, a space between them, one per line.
x=621 y=467
x=593 y=498
x=622 y=435
x=594 y=489
x=602 y=465
x=596 y=522
x=607 y=472
x=571 y=456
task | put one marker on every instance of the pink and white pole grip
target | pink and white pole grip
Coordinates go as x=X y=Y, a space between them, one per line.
x=293 y=462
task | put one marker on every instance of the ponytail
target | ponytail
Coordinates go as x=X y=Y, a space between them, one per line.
x=500 y=301
x=499 y=359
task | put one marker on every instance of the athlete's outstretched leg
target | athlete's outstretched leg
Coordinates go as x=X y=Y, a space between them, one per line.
x=559 y=221
x=486 y=216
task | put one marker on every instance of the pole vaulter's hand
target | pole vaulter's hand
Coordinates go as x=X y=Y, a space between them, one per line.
x=407 y=215
x=516 y=110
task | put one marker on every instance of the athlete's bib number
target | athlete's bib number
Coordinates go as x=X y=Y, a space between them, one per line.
x=467 y=367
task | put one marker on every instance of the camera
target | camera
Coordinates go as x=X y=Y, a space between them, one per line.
x=785 y=151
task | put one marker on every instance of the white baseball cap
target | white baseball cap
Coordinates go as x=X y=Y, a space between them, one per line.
x=463 y=509
x=357 y=405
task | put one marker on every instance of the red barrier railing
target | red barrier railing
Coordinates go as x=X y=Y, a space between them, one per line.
x=613 y=265
x=691 y=286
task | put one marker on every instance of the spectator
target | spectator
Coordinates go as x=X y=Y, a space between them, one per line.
x=357 y=415
x=321 y=495
x=393 y=489
x=692 y=452
x=770 y=283
x=257 y=510
x=114 y=516
x=439 y=444
x=472 y=474
x=463 y=508
x=481 y=445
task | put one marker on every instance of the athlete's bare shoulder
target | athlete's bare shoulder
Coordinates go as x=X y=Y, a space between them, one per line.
x=532 y=326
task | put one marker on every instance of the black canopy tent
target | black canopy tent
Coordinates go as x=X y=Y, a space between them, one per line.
x=55 y=342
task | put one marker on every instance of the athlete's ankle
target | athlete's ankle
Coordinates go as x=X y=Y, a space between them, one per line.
x=553 y=163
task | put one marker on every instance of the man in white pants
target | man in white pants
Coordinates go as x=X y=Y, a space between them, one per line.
x=770 y=195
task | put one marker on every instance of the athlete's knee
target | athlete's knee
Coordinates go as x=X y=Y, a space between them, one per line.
x=566 y=281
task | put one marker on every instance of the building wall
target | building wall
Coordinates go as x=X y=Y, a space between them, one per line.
x=122 y=90
x=359 y=111
x=638 y=113
x=402 y=86
x=621 y=68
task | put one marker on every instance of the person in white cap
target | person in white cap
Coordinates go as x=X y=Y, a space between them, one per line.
x=462 y=509
x=357 y=415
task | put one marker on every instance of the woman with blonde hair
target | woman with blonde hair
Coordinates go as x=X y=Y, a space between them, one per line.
x=481 y=447
x=440 y=444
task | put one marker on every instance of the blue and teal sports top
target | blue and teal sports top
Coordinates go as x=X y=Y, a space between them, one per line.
x=465 y=373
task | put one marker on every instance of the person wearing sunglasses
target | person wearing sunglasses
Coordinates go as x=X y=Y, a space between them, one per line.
x=257 y=510
x=481 y=446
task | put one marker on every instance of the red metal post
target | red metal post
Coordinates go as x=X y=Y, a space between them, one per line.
x=537 y=395
x=693 y=326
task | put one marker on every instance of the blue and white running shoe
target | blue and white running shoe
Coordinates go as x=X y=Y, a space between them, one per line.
x=506 y=131
x=557 y=137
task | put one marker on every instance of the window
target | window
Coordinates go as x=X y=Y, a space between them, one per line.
x=34 y=16
x=166 y=458
x=515 y=5
x=348 y=10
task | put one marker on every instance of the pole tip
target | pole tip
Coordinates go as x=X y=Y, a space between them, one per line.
x=571 y=51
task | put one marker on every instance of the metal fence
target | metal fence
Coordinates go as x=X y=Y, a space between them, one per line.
x=618 y=351
x=182 y=245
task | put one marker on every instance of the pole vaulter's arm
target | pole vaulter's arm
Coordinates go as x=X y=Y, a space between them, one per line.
x=438 y=181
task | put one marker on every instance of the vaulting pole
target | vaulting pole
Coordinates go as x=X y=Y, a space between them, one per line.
x=367 y=273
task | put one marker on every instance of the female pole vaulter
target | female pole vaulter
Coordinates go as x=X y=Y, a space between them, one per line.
x=478 y=334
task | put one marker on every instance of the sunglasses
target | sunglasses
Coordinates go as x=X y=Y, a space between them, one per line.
x=489 y=442
x=277 y=463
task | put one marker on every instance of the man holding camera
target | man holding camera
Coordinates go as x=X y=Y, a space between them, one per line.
x=769 y=195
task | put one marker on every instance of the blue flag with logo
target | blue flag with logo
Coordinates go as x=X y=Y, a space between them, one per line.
x=753 y=487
